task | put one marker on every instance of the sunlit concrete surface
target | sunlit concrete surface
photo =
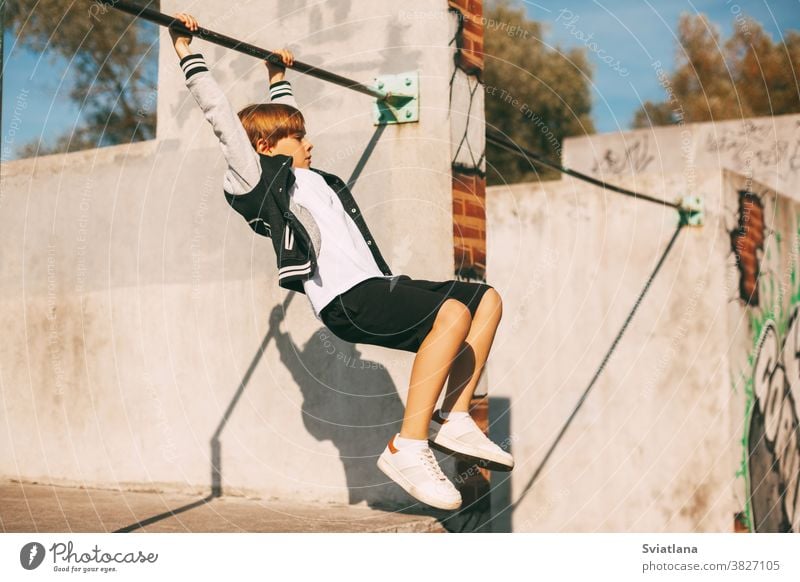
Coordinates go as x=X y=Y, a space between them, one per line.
x=26 y=507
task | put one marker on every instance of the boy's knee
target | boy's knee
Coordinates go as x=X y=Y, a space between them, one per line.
x=493 y=299
x=454 y=315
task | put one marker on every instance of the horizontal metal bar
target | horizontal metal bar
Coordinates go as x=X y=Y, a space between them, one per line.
x=243 y=47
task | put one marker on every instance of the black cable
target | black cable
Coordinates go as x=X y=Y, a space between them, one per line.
x=500 y=140
x=610 y=351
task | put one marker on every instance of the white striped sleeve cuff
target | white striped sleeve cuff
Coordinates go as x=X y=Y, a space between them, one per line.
x=280 y=89
x=193 y=64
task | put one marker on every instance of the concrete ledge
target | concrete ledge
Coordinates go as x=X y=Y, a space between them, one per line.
x=31 y=507
x=84 y=159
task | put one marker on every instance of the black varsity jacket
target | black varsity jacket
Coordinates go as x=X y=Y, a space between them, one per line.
x=266 y=210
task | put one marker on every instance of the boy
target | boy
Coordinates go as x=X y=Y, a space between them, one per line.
x=325 y=251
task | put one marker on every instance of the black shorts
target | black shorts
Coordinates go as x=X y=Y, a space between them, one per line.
x=395 y=313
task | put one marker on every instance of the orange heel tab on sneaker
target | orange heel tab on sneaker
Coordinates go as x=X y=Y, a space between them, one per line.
x=392 y=449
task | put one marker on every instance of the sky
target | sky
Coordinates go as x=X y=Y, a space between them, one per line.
x=633 y=34
x=35 y=98
x=636 y=34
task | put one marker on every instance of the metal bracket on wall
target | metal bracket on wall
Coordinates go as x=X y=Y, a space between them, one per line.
x=401 y=104
x=691 y=211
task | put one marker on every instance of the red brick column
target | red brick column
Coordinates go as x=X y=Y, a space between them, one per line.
x=469 y=226
x=469 y=229
x=470 y=41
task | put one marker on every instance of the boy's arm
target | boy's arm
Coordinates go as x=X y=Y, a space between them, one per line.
x=244 y=169
x=280 y=90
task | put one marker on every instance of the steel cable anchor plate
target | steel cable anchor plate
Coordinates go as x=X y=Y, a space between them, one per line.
x=401 y=104
x=691 y=210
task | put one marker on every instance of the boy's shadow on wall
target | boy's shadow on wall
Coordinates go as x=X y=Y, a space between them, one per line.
x=347 y=400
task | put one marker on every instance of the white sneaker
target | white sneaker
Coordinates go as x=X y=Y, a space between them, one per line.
x=461 y=435
x=416 y=471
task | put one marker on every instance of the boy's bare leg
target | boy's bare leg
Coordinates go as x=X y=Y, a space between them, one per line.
x=468 y=365
x=432 y=365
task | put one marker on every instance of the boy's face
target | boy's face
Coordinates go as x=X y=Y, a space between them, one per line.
x=295 y=146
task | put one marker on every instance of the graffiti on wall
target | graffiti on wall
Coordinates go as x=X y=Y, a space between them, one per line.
x=747 y=242
x=635 y=157
x=773 y=436
x=767 y=264
x=748 y=146
x=753 y=144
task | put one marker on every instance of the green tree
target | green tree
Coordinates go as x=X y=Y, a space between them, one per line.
x=765 y=73
x=654 y=114
x=113 y=68
x=747 y=75
x=535 y=95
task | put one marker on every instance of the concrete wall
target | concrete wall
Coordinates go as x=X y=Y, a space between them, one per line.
x=763 y=350
x=658 y=445
x=135 y=304
x=652 y=448
x=766 y=149
x=748 y=255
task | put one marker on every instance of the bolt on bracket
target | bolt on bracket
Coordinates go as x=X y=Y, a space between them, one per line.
x=691 y=211
x=401 y=102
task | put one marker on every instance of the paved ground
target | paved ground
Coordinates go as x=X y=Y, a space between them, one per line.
x=29 y=507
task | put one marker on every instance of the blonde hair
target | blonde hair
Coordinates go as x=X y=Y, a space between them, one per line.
x=271 y=122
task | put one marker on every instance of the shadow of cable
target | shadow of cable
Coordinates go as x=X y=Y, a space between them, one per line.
x=582 y=399
x=145 y=522
x=362 y=161
x=216 y=447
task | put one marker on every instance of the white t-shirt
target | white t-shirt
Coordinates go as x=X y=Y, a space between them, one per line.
x=344 y=259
